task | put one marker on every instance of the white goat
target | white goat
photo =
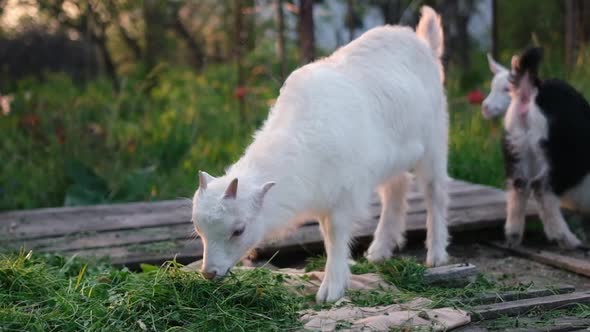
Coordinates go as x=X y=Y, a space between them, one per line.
x=342 y=127
x=497 y=102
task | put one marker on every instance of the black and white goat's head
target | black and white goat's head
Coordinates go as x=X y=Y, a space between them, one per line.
x=524 y=83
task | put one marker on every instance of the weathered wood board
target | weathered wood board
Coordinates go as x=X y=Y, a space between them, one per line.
x=159 y=231
x=566 y=261
x=515 y=308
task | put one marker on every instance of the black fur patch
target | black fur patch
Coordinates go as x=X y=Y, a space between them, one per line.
x=568 y=145
x=528 y=62
x=510 y=158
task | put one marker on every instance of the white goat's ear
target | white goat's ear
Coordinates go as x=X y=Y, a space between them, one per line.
x=494 y=66
x=204 y=179
x=262 y=192
x=232 y=190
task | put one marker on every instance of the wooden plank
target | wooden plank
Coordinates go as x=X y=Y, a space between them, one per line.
x=107 y=239
x=178 y=216
x=514 y=308
x=562 y=324
x=460 y=201
x=470 y=328
x=97 y=244
x=33 y=229
x=124 y=230
x=455 y=275
x=155 y=253
x=572 y=264
x=54 y=222
x=516 y=295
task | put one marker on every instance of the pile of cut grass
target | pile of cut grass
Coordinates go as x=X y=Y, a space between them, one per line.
x=53 y=293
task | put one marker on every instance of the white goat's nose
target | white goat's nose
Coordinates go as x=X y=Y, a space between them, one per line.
x=209 y=275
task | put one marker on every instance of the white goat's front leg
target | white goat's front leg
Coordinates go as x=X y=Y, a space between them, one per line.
x=392 y=222
x=554 y=224
x=517 y=197
x=336 y=232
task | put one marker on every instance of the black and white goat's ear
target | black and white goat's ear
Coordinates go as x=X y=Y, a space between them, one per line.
x=204 y=179
x=525 y=87
x=514 y=63
x=494 y=66
x=262 y=192
x=232 y=190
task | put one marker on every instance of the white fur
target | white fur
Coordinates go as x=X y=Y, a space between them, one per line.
x=497 y=102
x=342 y=127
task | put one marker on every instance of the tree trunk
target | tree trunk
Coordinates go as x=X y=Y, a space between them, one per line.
x=281 y=54
x=350 y=21
x=197 y=54
x=131 y=42
x=573 y=30
x=238 y=47
x=306 y=31
x=250 y=17
x=390 y=10
x=495 y=41
x=155 y=27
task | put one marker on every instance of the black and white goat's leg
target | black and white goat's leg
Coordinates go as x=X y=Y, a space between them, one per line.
x=554 y=224
x=517 y=197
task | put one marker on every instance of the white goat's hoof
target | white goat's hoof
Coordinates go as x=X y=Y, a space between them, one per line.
x=330 y=291
x=513 y=240
x=378 y=252
x=569 y=241
x=436 y=258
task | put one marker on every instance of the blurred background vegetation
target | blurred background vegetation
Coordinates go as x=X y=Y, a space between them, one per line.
x=120 y=100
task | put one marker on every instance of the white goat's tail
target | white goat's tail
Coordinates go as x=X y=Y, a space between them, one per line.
x=430 y=30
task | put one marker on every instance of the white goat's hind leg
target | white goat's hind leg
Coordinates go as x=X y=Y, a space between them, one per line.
x=390 y=232
x=336 y=232
x=516 y=213
x=433 y=178
x=554 y=224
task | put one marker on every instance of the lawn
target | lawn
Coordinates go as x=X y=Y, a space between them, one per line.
x=70 y=144
x=41 y=292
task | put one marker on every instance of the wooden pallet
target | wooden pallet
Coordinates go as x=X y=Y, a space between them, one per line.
x=158 y=231
x=520 y=305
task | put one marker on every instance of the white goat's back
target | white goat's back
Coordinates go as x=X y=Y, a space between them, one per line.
x=356 y=118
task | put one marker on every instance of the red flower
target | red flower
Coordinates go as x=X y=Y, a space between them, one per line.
x=240 y=92
x=475 y=97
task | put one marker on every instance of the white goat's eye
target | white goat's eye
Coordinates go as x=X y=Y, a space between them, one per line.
x=238 y=231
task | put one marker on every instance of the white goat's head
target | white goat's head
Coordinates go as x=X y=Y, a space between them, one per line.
x=497 y=102
x=227 y=223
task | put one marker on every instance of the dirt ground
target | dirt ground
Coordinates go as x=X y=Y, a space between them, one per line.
x=512 y=270
x=494 y=263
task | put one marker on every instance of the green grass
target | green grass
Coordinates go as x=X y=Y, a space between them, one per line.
x=474 y=147
x=52 y=293
x=536 y=319
x=41 y=292
x=86 y=144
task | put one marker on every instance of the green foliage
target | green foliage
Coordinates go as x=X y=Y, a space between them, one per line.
x=71 y=144
x=51 y=293
x=475 y=152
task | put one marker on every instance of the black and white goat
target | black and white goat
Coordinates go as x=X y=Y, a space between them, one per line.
x=546 y=150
